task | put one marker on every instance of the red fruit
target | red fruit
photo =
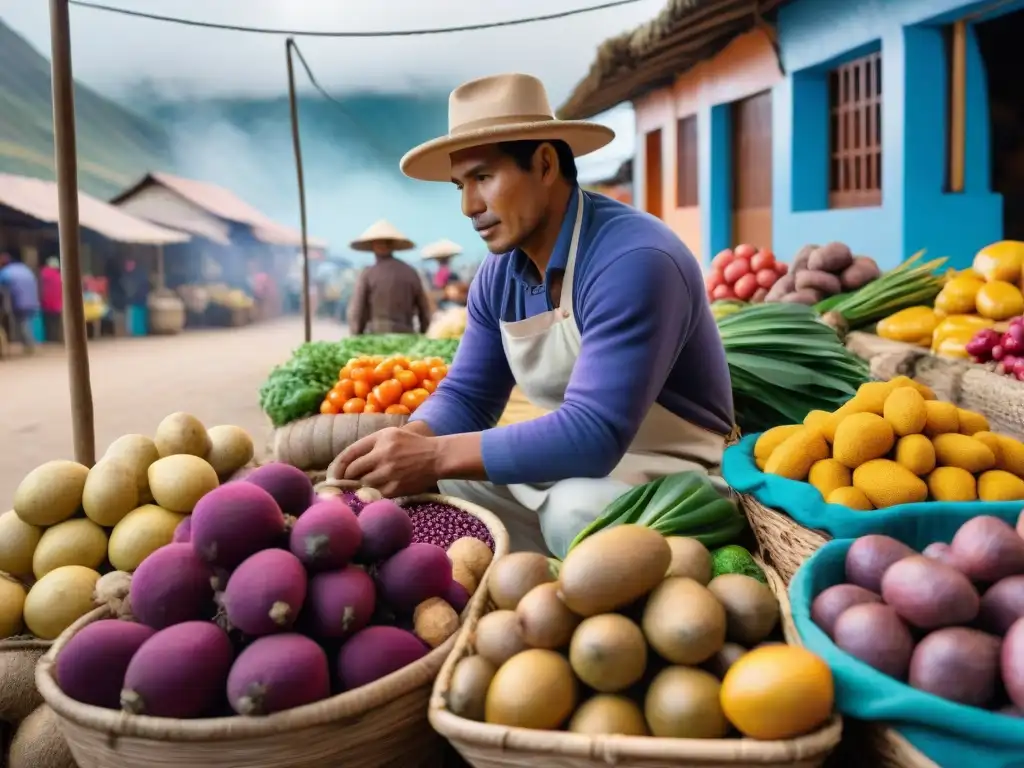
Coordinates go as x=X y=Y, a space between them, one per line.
x=737 y=269
x=722 y=259
x=766 y=277
x=745 y=251
x=1013 y=339
x=981 y=344
x=781 y=267
x=762 y=260
x=745 y=286
x=713 y=280
x=722 y=292
x=998 y=352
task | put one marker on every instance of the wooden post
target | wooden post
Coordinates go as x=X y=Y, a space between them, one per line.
x=958 y=106
x=307 y=314
x=66 y=163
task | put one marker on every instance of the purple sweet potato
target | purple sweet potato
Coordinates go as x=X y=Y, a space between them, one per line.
x=183 y=533
x=988 y=549
x=870 y=556
x=415 y=574
x=386 y=529
x=959 y=664
x=291 y=487
x=339 y=603
x=277 y=673
x=234 y=521
x=456 y=596
x=179 y=672
x=376 y=652
x=265 y=593
x=327 y=536
x=170 y=586
x=91 y=667
x=829 y=605
x=1002 y=605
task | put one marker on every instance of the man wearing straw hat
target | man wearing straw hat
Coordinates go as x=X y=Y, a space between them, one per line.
x=389 y=294
x=594 y=309
x=443 y=251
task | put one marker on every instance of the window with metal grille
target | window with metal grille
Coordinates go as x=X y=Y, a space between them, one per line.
x=686 y=162
x=855 y=133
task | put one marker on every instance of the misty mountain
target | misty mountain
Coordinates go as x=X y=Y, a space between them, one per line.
x=115 y=146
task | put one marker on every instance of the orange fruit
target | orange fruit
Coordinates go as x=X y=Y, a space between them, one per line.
x=397 y=409
x=778 y=692
x=328 y=408
x=355 y=405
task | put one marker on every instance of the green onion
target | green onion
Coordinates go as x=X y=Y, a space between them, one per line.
x=785 y=362
x=908 y=285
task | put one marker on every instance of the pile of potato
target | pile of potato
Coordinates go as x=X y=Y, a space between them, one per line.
x=634 y=637
x=948 y=620
x=822 y=271
x=895 y=443
x=70 y=523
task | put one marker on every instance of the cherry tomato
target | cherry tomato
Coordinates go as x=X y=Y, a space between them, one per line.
x=337 y=398
x=736 y=270
x=360 y=373
x=433 y=362
x=399 y=360
x=421 y=368
x=382 y=373
x=361 y=389
x=354 y=405
x=371 y=408
x=722 y=259
x=438 y=372
x=428 y=384
x=781 y=267
x=414 y=398
x=745 y=287
x=389 y=392
x=766 y=277
x=397 y=409
x=713 y=280
x=762 y=260
x=345 y=373
x=372 y=401
x=407 y=379
x=327 y=407
x=347 y=386
x=744 y=251
x=722 y=292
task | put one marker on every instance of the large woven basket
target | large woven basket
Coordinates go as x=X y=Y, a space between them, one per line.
x=493 y=746
x=1000 y=398
x=868 y=744
x=381 y=725
x=784 y=543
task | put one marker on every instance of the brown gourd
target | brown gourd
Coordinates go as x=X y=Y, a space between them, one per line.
x=315 y=442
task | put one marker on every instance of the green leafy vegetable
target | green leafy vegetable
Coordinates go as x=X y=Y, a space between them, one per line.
x=295 y=389
x=683 y=504
x=736 y=559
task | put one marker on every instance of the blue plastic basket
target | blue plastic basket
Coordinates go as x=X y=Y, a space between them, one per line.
x=137 y=320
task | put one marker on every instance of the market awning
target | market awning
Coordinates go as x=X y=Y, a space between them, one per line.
x=224 y=204
x=685 y=33
x=38 y=199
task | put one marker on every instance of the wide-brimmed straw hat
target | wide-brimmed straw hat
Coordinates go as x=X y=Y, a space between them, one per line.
x=494 y=109
x=442 y=249
x=383 y=230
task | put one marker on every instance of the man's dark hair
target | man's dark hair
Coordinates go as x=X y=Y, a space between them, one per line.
x=522 y=153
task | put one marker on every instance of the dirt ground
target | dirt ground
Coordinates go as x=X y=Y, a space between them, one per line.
x=213 y=374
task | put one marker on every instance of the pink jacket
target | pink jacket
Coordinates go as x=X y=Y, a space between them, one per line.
x=51 y=298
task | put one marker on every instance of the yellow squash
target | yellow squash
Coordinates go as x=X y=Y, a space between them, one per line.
x=999 y=300
x=1000 y=261
x=913 y=325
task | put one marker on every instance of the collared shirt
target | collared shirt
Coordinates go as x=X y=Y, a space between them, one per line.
x=648 y=336
x=21 y=282
x=387 y=297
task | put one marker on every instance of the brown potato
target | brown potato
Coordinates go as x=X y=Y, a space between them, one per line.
x=860 y=273
x=832 y=258
x=800 y=260
x=807 y=296
x=929 y=594
x=825 y=283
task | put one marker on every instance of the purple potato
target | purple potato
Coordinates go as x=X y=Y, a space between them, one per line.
x=171 y=586
x=91 y=667
x=278 y=672
x=183 y=533
x=265 y=593
x=327 y=536
x=832 y=602
x=291 y=487
x=376 y=652
x=339 y=603
x=456 y=596
x=234 y=521
x=958 y=664
x=415 y=574
x=386 y=530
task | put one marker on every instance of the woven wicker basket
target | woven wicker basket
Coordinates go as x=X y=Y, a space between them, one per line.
x=1000 y=398
x=784 y=543
x=16 y=655
x=493 y=746
x=874 y=745
x=381 y=725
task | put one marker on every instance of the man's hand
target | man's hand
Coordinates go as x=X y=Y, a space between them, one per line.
x=397 y=462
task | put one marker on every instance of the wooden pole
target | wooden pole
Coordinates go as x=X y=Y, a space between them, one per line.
x=66 y=163
x=307 y=314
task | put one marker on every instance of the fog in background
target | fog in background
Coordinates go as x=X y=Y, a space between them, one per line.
x=222 y=95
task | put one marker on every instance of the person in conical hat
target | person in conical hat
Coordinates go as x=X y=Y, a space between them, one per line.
x=388 y=296
x=595 y=310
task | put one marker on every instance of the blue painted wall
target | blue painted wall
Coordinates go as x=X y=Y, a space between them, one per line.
x=817 y=35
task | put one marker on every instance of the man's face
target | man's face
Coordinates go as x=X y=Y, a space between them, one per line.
x=505 y=202
x=382 y=247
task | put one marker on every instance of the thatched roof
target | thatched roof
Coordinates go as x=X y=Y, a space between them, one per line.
x=685 y=33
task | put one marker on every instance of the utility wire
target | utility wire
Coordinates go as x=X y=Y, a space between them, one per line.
x=380 y=33
x=367 y=139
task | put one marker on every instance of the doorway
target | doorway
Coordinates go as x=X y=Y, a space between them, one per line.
x=653 y=189
x=999 y=42
x=752 y=170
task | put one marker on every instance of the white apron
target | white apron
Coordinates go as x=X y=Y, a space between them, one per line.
x=542 y=351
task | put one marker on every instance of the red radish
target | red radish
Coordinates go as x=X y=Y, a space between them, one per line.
x=737 y=269
x=766 y=277
x=762 y=260
x=745 y=287
x=722 y=259
x=744 y=251
x=722 y=292
x=781 y=267
x=713 y=280
x=998 y=352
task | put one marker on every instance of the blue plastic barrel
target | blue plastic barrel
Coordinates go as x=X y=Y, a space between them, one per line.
x=137 y=320
x=38 y=329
